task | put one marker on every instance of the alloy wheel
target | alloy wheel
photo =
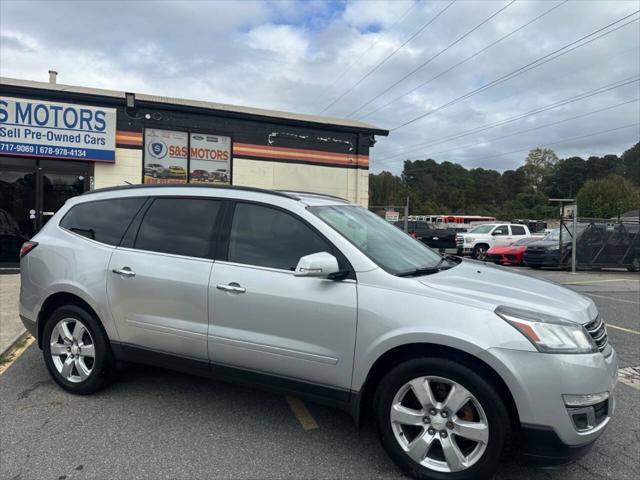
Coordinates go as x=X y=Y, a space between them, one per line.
x=72 y=350
x=439 y=424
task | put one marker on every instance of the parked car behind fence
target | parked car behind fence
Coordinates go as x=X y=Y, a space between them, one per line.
x=599 y=244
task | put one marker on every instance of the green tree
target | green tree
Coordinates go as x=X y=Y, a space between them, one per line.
x=631 y=164
x=538 y=166
x=385 y=189
x=607 y=197
x=568 y=177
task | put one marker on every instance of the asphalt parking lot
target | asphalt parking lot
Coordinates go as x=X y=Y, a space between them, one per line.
x=154 y=423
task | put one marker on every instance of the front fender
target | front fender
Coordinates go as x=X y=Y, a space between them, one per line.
x=389 y=318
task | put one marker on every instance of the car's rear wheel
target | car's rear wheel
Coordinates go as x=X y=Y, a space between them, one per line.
x=439 y=420
x=76 y=350
x=480 y=252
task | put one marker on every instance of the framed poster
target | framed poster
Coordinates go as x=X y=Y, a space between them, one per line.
x=209 y=158
x=165 y=156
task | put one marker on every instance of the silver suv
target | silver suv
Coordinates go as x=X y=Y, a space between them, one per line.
x=312 y=295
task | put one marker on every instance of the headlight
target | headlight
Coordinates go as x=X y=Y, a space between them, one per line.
x=554 y=247
x=549 y=334
x=469 y=240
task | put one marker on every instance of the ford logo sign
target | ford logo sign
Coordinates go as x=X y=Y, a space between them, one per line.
x=157 y=149
x=198 y=137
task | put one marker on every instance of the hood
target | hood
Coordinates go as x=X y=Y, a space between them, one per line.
x=497 y=286
x=546 y=243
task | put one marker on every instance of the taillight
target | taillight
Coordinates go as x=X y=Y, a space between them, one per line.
x=27 y=247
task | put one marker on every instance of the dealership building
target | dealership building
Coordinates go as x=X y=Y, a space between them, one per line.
x=57 y=141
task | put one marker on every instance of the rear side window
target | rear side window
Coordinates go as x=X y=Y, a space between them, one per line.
x=104 y=220
x=502 y=229
x=267 y=237
x=517 y=230
x=181 y=226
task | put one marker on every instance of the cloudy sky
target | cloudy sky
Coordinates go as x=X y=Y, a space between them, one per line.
x=462 y=81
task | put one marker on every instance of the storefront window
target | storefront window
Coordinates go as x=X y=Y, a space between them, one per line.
x=170 y=155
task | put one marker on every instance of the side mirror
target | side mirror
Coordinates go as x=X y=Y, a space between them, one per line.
x=321 y=264
x=497 y=232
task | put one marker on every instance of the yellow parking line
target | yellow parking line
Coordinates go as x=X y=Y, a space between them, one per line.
x=11 y=356
x=623 y=329
x=302 y=414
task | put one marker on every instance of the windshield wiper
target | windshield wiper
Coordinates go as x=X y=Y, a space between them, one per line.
x=418 y=271
x=428 y=270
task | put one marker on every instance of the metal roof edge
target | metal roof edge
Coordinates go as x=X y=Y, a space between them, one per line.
x=189 y=103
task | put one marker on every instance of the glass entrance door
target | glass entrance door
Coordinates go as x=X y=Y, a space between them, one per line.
x=57 y=188
x=17 y=200
x=31 y=191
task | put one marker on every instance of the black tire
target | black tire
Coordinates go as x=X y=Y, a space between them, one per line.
x=491 y=402
x=635 y=266
x=103 y=365
x=480 y=252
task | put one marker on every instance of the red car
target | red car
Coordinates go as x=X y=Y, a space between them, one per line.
x=509 y=254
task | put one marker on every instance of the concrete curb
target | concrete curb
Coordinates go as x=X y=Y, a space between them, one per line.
x=18 y=338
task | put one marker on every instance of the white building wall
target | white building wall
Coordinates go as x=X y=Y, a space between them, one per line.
x=127 y=168
x=349 y=183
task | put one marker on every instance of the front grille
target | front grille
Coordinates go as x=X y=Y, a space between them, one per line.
x=598 y=332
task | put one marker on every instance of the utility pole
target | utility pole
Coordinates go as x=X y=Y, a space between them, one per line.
x=574 y=236
x=406 y=216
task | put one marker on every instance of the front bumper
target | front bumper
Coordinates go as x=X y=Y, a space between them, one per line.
x=541 y=447
x=510 y=258
x=538 y=381
x=542 y=259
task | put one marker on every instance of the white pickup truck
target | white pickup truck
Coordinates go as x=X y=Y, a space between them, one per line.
x=479 y=239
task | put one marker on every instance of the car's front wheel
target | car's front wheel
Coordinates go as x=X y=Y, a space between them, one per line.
x=439 y=420
x=76 y=350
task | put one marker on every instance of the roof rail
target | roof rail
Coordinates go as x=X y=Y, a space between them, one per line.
x=314 y=194
x=191 y=185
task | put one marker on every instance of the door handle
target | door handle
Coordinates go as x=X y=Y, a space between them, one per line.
x=125 y=272
x=233 y=287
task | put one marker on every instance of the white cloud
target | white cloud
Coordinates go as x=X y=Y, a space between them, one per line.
x=299 y=56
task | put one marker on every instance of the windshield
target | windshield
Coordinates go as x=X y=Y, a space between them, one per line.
x=481 y=229
x=389 y=247
x=553 y=235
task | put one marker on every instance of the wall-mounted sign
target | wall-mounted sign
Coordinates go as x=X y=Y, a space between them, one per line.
x=169 y=155
x=35 y=128
x=165 y=156
x=209 y=158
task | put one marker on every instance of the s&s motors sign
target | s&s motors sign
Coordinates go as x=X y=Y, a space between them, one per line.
x=35 y=128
